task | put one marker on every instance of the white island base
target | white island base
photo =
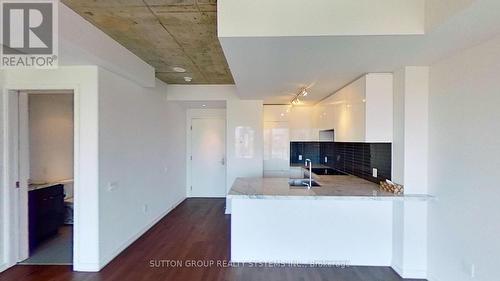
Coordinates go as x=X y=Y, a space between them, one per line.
x=347 y=221
x=305 y=231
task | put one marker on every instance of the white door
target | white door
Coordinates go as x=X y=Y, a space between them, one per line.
x=208 y=162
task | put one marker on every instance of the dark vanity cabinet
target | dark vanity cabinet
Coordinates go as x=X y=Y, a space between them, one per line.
x=46 y=213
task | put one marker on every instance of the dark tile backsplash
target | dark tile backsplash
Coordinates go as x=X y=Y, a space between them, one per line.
x=308 y=150
x=357 y=159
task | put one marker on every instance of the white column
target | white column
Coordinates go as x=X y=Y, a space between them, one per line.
x=411 y=92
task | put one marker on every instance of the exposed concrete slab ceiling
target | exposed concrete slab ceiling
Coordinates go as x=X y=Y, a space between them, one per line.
x=327 y=44
x=165 y=34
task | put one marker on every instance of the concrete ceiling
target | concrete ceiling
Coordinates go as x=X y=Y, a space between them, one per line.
x=165 y=34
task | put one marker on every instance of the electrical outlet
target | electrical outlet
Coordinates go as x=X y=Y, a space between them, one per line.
x=326 y=159
x=375 y=172
x=300 y=157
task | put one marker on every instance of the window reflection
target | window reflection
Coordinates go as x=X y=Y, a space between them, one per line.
x=276 y=146
x=244 y=142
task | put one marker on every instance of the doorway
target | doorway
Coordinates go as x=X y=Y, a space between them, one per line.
x=208 y=157
x=45 y=127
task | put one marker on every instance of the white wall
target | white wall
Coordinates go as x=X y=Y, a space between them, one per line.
x=319 y=17
x=3 y=193
x=142 y=147
x=239 y=113
x=398 y=143
x=439 y=11
x=51 y=137
x=464 y=158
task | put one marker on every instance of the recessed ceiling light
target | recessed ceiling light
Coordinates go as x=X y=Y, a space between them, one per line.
x=178 y=69
x=188 y=79
x=203 y=105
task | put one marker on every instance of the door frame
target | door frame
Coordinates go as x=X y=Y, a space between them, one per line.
x=201 y=114
x=15 y=203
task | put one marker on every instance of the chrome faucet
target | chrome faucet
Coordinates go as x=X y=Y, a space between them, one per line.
x=310 y=172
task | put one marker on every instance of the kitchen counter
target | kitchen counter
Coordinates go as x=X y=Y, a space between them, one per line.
x=331 y=187
x=345 y=219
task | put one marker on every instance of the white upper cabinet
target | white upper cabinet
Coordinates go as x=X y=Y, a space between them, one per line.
x=302 y=127
x=300 y=120
x=379 y=107
x=359 y=112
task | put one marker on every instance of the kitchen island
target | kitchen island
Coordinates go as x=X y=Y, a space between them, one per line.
x=347 y=220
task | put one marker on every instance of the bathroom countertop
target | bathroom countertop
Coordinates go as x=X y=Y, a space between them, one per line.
x=32 y=187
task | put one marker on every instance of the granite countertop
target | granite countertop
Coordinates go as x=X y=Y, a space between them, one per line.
x=332 y=187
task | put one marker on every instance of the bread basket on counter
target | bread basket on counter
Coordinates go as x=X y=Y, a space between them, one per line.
x=391 y=187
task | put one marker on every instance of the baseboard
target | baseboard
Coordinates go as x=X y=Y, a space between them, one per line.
x=432 y=277
x=5 y=266
x=227 y=210
x=86 y=267
x=105 y=260
x=398 y=270
x=409 y=273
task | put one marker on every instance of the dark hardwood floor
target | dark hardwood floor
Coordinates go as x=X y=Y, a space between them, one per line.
x=197 y=230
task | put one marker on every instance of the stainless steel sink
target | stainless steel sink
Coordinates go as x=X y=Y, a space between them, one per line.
x=302 y=183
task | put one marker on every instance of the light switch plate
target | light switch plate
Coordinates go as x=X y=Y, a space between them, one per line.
x=300 y=157
x=326 y=159
x=375 y=173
